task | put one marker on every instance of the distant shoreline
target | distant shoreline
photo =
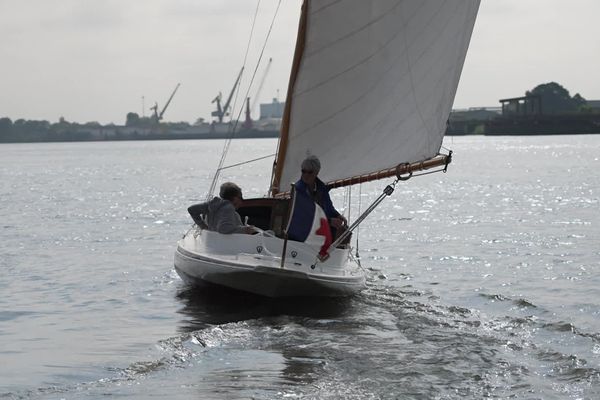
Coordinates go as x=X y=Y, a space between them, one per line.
x=245 y=134
x=264 y=136
x=43 y=132
x=582 y=124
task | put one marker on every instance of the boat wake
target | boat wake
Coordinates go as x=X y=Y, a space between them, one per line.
x=387 y=341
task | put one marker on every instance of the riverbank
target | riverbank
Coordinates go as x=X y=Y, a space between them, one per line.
x=527 y=125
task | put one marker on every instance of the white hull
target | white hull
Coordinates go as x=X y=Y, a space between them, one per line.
x=252 y=263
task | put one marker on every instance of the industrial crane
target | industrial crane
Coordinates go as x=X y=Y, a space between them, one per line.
x=260 y=86
x=222 y=111
x=219 y=112
x=249 y=109
x=158 y=117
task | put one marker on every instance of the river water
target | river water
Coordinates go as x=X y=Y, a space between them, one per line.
x=483 y=282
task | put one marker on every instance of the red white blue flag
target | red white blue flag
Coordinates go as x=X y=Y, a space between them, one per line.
x=320 y=232
x=308 y=223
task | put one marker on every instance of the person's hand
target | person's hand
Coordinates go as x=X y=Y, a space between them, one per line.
x=338 y=222
x=249 y=230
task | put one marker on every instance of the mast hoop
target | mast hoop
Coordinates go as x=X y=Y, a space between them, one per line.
x=400 y=168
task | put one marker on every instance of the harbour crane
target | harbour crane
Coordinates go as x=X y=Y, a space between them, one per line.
x=223 y=111
x=260 y=85
x=158 y=117
x=219 y=111
x=249 y=109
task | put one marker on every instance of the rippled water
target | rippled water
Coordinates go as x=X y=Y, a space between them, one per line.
x=483 y=282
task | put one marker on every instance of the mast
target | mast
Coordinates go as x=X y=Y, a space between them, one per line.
x=285 y=123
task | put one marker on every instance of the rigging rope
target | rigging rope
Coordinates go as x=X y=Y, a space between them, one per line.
x=227 y=141
x=358 y=227
x=248 y=162
x=349 y=201
x=233 y=131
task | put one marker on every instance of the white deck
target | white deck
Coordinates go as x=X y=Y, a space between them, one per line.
x=252 y=263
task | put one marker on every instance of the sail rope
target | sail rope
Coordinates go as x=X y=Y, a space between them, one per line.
x=357 y=256
x=232 y=131
x=247 y=162
x=236 y=122
x=429 y=172
x=349 y=191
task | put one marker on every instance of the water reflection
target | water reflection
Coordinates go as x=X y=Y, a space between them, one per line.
x=214 y=305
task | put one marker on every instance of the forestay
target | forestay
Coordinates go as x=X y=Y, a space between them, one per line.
x=373 y=84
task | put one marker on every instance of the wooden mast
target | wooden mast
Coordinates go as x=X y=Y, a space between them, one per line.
x=285 y=123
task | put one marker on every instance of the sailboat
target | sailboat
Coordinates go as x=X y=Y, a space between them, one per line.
x=370 y=92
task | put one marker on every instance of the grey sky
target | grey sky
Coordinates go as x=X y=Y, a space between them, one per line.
x=93 y=60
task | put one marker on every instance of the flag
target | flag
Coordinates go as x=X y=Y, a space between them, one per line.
x=320 y=232
x=308 y=223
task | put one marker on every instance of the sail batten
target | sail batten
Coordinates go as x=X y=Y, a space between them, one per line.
x=375 y=81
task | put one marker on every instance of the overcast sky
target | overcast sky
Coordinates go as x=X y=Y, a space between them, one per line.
x=94 y=60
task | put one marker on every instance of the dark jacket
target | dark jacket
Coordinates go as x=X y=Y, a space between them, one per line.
x=303 y=214
x=319 y=196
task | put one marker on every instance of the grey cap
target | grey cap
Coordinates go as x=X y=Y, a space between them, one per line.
x=311 y=163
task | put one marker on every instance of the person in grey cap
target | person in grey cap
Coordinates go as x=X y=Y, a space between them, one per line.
x=310 y=185
x=219 y=214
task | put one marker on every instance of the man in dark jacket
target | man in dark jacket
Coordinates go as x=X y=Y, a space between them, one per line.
x=219 y=214
x=310 y=185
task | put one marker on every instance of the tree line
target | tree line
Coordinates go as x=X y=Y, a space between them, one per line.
x=22 y=130
x=555 y=99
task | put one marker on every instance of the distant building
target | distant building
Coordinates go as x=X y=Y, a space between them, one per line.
x=272 y=110
x=470 y=121
x=475 y=114
x=526 y=105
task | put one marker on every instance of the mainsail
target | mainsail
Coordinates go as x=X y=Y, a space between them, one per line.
x=372 y=85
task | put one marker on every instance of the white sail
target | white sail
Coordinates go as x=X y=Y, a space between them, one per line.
x=375 y=84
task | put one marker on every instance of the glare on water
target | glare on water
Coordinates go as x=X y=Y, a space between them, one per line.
x=482 y=281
